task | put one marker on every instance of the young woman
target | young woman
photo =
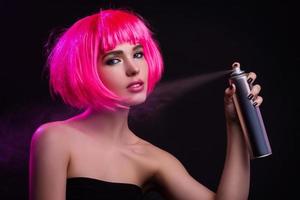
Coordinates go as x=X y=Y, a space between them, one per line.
x=104 y=64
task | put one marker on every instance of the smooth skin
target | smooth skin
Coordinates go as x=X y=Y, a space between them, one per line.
x=100 y=145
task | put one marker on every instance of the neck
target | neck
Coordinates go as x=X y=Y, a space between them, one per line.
x=108 y=125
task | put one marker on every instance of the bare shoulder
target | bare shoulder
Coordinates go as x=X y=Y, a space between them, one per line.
x=159 y=155
x=52 y=134
x=167 y=168
x=158 y=152
x=50 y=129
x=174 y=180
x=49 y=158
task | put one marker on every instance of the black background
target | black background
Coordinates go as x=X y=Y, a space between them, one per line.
x=196 y=37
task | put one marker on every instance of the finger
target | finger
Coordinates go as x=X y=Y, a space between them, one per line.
x=258 y=101
x=254 y=91
x=251 y=77
x=229 y=93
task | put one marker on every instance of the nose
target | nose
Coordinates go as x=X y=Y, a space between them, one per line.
x=132 y=69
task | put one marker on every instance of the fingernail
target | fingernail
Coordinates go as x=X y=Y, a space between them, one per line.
x=255 y=104
x=250 y=96
x=249 y=80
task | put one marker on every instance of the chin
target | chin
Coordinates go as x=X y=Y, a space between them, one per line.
x=136 y=100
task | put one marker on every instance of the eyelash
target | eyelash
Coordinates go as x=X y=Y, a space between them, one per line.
x=114 y=61
x=139 y=53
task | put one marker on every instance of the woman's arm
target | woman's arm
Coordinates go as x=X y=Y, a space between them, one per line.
x=235 y=180
x=49 y=158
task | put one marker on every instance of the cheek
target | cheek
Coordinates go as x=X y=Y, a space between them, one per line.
x=110 y=78
x=145 y=69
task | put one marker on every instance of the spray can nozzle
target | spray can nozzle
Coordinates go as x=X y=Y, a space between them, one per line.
x=236 y=68
x=235 y=65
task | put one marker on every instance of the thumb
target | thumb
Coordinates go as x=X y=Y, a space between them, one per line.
x=230 y=91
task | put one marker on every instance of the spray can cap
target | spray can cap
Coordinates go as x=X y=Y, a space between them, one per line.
x=236 y=69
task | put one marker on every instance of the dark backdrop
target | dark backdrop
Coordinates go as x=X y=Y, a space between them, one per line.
x=196 y=38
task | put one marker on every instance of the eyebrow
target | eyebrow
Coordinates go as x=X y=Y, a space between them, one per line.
x=119 y=52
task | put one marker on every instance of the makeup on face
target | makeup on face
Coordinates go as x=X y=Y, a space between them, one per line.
x=136 y=86
x=114 y=56
x=124 y=71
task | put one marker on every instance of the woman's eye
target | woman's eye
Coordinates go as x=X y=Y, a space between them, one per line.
x=138 y=55
x=112 y=61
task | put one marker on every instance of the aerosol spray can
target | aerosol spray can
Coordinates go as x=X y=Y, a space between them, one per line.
x=249 y=116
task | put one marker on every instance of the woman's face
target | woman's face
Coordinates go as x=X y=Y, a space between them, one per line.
x=124 y=71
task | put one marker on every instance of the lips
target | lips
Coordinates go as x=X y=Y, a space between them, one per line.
x=136 y=86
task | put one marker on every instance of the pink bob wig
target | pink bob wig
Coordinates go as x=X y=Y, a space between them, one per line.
x=74 y=57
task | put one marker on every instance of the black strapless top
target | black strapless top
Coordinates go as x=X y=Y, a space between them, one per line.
x=83 y=188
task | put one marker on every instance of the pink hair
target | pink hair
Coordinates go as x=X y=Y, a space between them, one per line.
x=73 y=60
